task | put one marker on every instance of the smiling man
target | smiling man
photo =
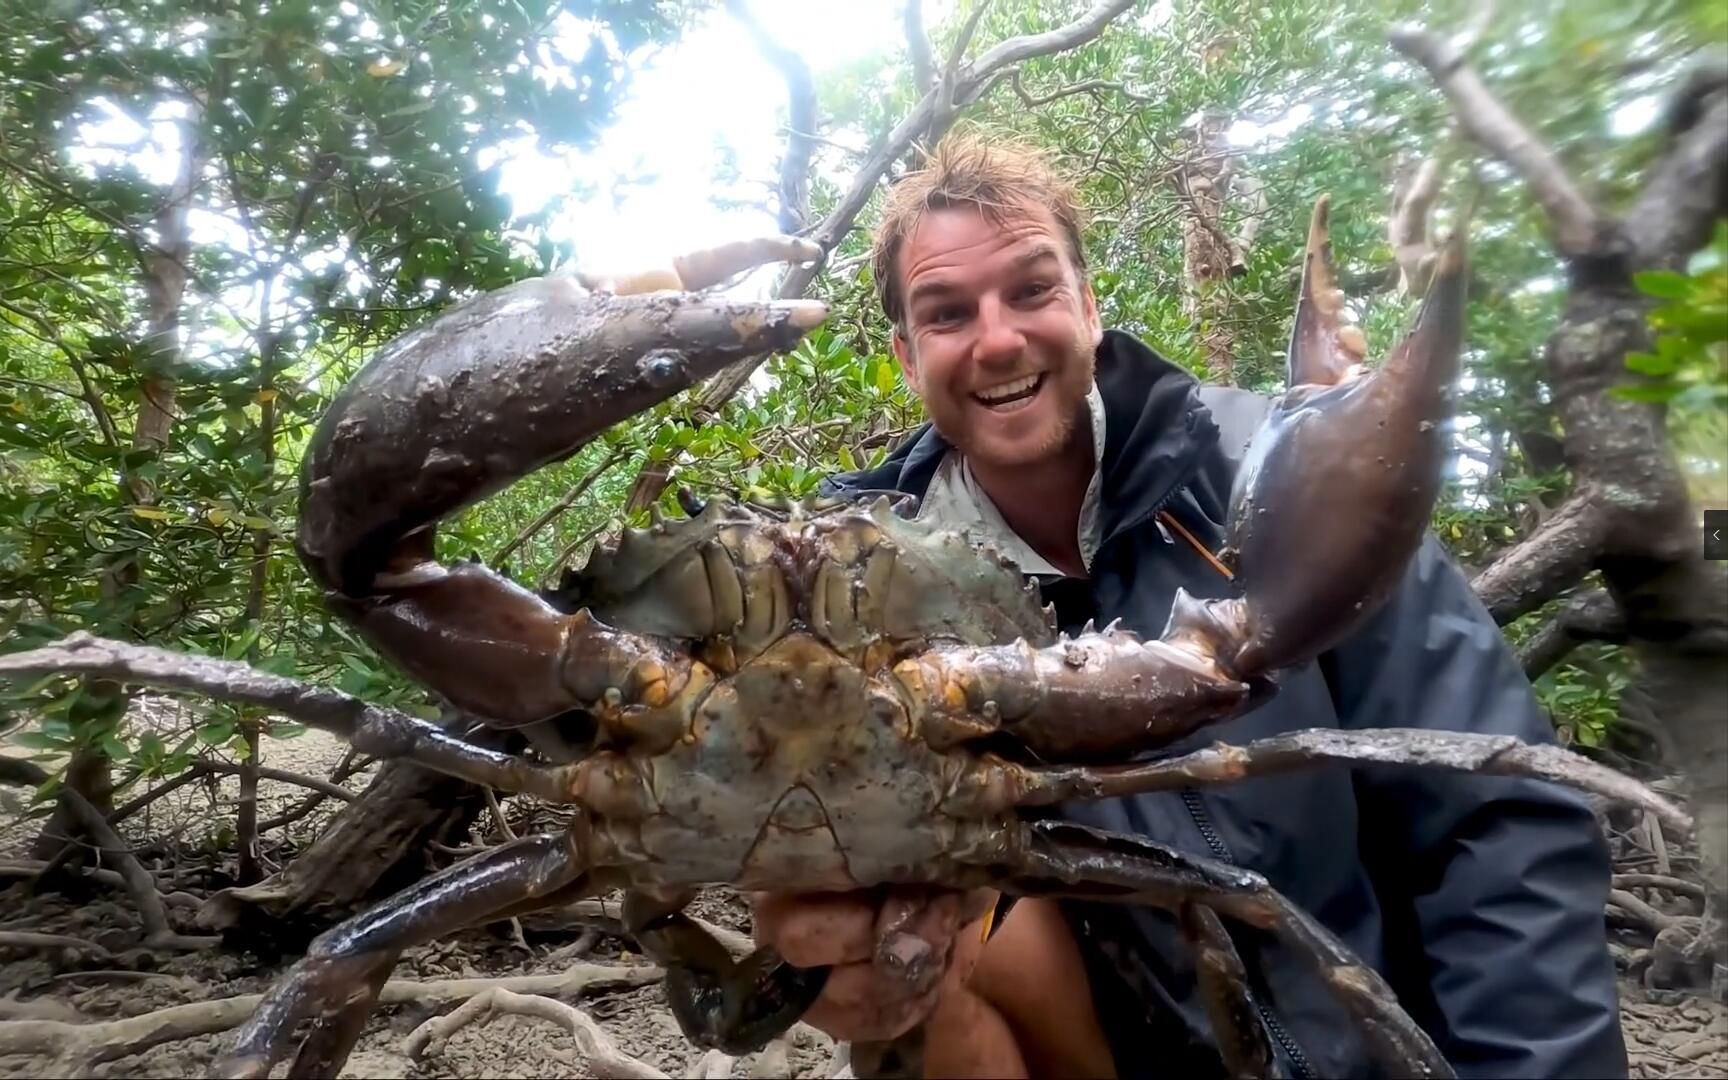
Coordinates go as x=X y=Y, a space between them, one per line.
x=1104 y=471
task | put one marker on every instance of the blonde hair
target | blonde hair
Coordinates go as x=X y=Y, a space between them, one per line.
x=1000 y=175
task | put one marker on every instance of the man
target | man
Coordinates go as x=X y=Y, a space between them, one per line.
x=1100 y=467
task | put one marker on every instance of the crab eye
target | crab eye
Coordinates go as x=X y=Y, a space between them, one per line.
x=662 y=368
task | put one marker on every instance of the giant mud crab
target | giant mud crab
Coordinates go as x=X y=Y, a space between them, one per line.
x=829 y=697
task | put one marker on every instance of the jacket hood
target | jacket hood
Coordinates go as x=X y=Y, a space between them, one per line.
x=1156 y=429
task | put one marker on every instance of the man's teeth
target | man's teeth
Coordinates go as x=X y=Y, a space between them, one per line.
x=1004 y=391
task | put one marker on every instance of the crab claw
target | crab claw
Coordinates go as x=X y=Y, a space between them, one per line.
x=510 y=381
x=1340 y=480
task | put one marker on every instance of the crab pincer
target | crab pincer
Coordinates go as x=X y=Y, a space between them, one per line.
x=1340 y=479
x=493 y=389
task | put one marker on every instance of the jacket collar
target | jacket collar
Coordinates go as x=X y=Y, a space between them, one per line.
x=1156 y=432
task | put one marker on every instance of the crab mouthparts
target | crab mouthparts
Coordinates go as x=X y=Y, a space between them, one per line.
x=1008 y=393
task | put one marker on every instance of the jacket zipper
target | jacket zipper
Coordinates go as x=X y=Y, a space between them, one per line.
x=1197 y=811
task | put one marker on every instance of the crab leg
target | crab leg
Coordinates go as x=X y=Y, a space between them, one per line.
x=371 y=729
x=1058 y=859
x=734 y=1006
x=453 y=412
x=1095 y=696
x=1223 y=982
x=1001 y=785
x=338 y=980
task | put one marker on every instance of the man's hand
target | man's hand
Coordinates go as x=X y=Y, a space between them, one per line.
x=890 y=952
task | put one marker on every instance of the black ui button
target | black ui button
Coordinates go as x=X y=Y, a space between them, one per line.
x=1716 y=535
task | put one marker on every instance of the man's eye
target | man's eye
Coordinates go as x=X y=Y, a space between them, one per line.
x=1034 y=290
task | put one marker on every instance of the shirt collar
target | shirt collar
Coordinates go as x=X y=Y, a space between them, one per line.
x=955 y=500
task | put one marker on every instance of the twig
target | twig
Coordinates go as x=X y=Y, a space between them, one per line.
x=1084 y=86
x=1589 y=616
x=595 y=913
x=87 y=1044
x=498 y=814
x=344 y=769
x=1577 y=227
x=618 y=453
x=1657 y=842
x=1407 y=228
x=604 y=1057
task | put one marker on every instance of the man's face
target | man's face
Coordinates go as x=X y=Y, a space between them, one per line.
x=1000 y=333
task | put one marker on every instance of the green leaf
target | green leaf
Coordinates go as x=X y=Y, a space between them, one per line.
x=216 y=732
x=1665 y=284
x=38 y=740
x=1650 y=364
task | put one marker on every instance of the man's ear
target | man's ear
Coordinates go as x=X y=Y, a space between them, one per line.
x=908 y=363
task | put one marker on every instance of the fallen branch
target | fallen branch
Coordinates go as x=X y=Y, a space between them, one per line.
x=32 y=869
x=80 y=1045
x=592 y=1042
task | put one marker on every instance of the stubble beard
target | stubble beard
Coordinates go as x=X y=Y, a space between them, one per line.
x=1079 y=371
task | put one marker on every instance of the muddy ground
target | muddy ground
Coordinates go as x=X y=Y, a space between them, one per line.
x=1669 y=1034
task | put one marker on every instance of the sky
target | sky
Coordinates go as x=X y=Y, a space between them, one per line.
x=664 y=131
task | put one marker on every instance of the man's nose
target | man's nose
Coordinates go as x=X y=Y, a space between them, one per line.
x=999 y=339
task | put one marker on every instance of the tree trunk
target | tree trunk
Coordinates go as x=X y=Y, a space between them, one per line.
x=1203 y=186
x=1630 y=516
x=164 y=270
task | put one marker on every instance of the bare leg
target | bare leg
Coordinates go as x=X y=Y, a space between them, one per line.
x=339 y=978
x=1032 y=974
x=1057 y=859
x=734 y=1006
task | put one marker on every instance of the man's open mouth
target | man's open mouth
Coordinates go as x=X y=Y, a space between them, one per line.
x=1009 y=393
